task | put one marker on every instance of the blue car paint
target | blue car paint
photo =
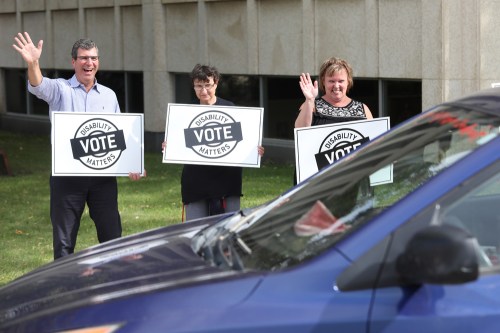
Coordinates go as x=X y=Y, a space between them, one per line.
x=226 y=305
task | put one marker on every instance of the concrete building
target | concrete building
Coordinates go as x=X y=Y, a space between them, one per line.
x=406 y=54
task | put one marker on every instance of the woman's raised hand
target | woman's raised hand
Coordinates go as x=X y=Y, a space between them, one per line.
x=308 y=87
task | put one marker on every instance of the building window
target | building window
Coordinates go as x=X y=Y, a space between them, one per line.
x=242 y=90
x=281 y=98
x=15 y=90
x=134 y=92
x=284 y=97
x=366 y=91
x=128 y=87
x=402 y=99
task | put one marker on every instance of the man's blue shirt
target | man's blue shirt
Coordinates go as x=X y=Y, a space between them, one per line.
x=71 y=96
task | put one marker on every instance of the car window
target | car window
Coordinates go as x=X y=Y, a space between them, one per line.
x=470 y=206
x=478 y=212
x=340 y=199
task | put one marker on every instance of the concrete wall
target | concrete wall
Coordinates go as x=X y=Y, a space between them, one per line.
x=452 y=45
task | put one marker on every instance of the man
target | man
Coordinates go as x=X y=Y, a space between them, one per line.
x=81 y=93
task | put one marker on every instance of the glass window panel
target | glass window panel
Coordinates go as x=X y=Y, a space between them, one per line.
x=366 y=91
x=135 y=92
x=15 y=90
x=115 y=81
x=403 y=100
x=284 y=98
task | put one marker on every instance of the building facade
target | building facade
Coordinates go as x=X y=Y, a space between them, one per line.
x=407 y=55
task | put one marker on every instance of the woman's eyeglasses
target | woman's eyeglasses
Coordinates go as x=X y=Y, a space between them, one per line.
x=200 y=87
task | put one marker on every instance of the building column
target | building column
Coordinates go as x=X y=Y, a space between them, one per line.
x=158 y=83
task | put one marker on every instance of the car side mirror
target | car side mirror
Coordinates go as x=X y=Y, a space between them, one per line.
x=441 y=254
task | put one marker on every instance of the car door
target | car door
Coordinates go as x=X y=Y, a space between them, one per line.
x=470 y=307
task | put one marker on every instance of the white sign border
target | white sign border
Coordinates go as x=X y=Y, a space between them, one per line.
x=333 y=125
x=222 y=108
x=100 y=173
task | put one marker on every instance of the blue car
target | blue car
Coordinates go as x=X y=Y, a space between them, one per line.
x=402 y=235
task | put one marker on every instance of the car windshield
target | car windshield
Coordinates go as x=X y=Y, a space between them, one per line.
x=319 y=212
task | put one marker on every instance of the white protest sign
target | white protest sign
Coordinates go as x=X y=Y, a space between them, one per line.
x=97 y=144
x=213 y=135
x=319 y=146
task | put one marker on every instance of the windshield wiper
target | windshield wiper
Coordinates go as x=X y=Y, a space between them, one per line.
x=224 y=252
x=242 y=244
x=220 y=250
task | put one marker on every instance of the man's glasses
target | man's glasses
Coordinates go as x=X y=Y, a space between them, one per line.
x=87 y=58
x=200 y=87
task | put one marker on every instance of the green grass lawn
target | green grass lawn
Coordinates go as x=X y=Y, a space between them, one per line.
x=152 y=202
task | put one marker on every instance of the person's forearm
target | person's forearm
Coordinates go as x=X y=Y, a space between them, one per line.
x=304 y=119
x=34 y=73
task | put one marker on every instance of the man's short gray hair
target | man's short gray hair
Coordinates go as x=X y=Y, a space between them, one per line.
x=83 y=43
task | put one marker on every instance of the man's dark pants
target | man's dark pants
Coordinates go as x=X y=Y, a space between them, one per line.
x=68 y=196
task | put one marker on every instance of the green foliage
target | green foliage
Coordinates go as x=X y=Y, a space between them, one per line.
x=152 y=202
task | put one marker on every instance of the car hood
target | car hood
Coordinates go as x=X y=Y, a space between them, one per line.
x=154 y=260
